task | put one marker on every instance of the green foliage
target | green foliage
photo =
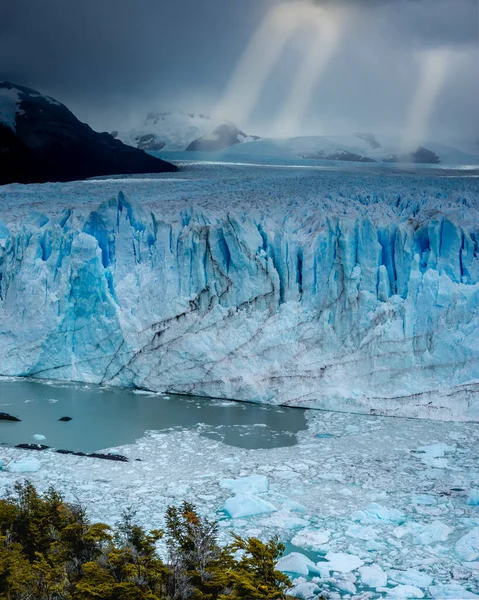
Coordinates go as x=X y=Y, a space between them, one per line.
x=49 y=550
x=255 y=575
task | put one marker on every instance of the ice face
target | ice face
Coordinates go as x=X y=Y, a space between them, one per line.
x=347 y=300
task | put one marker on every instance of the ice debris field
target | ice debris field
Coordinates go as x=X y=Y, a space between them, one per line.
x=369 y=507
x=341 y=288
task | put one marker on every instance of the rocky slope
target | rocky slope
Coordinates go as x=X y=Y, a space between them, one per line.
x=41 y=140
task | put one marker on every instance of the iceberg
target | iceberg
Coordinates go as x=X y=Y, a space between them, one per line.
x=366 y=302
x=241 y=506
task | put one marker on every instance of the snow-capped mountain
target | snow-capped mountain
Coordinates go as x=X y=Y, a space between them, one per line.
x=176 y=131
x=359 y=147
x=41 y=140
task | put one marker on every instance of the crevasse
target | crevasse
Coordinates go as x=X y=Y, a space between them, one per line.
x=339 y=312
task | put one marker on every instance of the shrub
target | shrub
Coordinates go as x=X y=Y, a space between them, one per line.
x=49 y=550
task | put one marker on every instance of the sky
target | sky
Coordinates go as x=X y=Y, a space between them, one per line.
x=343 y=66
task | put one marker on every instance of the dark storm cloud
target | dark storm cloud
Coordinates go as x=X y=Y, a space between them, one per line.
x=111 y=59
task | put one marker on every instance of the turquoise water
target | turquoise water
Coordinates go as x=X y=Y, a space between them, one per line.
x=106 y=417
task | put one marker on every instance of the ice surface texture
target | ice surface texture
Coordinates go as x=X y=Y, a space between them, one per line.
x=365 y=303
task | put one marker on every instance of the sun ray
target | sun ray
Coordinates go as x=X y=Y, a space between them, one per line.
x=434 y=67
x=258 y=60
x=327 y=26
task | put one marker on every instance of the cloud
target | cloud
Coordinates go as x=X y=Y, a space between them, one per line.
x=113 y=61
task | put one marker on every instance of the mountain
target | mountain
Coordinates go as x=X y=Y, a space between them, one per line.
x=358 y=147
x=41 y=140
x=176 y=131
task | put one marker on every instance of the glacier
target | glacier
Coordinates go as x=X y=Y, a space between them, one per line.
x=340 y=292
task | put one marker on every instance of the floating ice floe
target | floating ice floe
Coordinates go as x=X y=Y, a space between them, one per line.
x=252 y=484
x=433 y=455
x=402 y=591
x=362 y=533
x=311 y=539
x=473 y=499
x=342 y=562
x=304 y=590
x=433 y=532
x=410 y=577
x=39 y=437
x=295 y=562
x=375 y=513
x=450 y=591
x=467 y=547
x=24 y=465
x=373 y=576
x=240 y=506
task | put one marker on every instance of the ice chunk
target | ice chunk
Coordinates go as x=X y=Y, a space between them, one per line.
x=342 y=562
x=24 y=465
x=473 y=499
x=375 y=513
x=240 y=506
x=411 y=577
x=433 y=455
x=39 y=437
x=295 y=562
x=403 y=591
x=467 y=547
x=253 y=484
x=312 y=539
x=373 y=576
x=284 y=519
x=304 y=590
x=433 y=532
x=450 y=591
x=362 y=533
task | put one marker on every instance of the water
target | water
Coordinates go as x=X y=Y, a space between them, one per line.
x=106 y=417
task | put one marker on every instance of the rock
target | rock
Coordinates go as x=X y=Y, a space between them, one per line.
x=222 y=137
x=339 y=155
x=65 y=419
x=118 y=457
x=43 y=141
x=7 y=417
x=61 y=451
x=421 y=156
x=32 y=446
x=149 y=141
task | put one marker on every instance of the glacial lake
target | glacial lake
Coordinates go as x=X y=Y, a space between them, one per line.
x=104 y=417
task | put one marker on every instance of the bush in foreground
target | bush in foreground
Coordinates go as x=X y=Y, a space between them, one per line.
x=49 y=550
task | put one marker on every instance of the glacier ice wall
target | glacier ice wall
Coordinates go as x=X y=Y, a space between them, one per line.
x=308 y=308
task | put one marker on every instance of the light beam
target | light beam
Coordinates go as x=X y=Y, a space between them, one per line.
x=327 y=26
x=257 y=62
x=434 y=66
